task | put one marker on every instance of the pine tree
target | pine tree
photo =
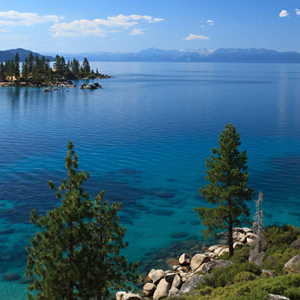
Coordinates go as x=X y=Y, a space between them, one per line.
x=24 y=70
x=2 y=71
x=50 y=74
x=227 y=191
x=75 y=67
x=17 y=65
x=76 y=256
x=62 y=64
x=86 y=66
x=47 y=65
x=42 y=64
x=30 y=62
x=57 y=64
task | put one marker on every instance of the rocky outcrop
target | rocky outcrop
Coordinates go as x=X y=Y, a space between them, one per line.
x=183 y=278
x=277 y=297
x=184 y=259
x=162 y=290
x=294 y=260
x=198 y=260
x=157 y=275
x=257 y=259
x=90 y=86
x=295 y=244
x=190 y=284
x=221 y=263
x=127 y=296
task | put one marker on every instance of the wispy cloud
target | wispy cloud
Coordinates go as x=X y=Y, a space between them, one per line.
x=210 y=22
x=283 y=14
x=13 y=18
x=137 y=31
x=99 y=27
x=196 y=37
x=297 y=10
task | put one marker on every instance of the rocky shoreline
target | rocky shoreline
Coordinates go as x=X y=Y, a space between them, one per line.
x=182 y=276
x=61 y=82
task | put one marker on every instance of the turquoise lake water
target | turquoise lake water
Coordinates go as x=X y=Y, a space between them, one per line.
x=145 y=138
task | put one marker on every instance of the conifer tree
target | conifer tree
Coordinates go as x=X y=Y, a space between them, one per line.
x=2 y=71
x=57 y=64
x=227 y=191
x=86 y=66
x=17 y=65
x=47 y=65
x=30 y=62
x=24 y=70
x=42 y=63
x=77 y=255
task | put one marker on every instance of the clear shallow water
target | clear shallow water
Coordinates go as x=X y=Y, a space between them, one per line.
x=144 y=138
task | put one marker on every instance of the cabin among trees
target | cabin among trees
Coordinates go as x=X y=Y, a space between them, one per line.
x=36 y=69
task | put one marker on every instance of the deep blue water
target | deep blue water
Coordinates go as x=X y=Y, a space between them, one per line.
x=145 y=138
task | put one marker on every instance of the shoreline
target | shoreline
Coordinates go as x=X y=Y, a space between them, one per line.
x=63 y=82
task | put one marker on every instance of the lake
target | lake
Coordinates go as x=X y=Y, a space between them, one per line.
x=145 y=137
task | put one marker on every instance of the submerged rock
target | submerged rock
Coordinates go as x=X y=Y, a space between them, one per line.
x=11 y=277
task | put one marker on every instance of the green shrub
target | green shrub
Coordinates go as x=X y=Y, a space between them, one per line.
x=240 y=255
x=260 y=288
x=286 y=234
x=277 y=259
x=244 y=276
x=221 y=277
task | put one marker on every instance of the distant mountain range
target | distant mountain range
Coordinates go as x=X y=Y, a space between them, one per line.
x=187 y=55
x=233 y=55
x=9 y=54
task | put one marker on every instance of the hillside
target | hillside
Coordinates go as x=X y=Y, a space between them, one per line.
x=9 y=54
x=232 y=55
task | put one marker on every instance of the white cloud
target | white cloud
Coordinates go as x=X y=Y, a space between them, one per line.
x=99 y=27
x=13 y=18
x=283 y=14
x=297 y=10
x=136 y=31
x=202 y=26
x=4 y=30
x=195 y=37
x=209 y=21
x=155 y=20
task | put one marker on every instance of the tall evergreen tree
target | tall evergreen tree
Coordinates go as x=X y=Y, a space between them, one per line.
x=227 y=190
x=2 y=71
x=47 y=65
x=30 y=62
x=75 y=67
x=24 y=70
x=50 y=74
x=17 y=65
x=42 y=64
x=86 y=66
x=77 y=255
x=57 y=64
x=62 y=64
x=12 y=69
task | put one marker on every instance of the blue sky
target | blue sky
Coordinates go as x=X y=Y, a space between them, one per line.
x=133 y=25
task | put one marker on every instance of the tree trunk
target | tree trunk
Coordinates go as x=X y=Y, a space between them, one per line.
x=230 y=239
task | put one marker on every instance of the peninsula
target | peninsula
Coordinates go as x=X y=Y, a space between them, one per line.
x=37 y=72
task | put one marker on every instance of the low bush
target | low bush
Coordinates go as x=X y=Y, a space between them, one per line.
x=277 y=259
x=240 y=254
x=221 y=277
x=260 y=288
x=278 y=235
x=244 y=276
